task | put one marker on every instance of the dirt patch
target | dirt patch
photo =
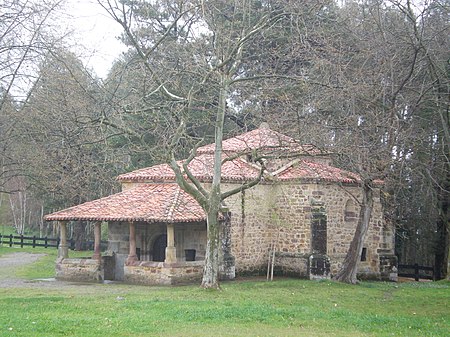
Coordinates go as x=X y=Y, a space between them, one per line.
x=18 y=259
x=9 y=263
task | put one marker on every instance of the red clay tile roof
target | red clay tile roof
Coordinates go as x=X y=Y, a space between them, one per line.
x=261 y=139
x=309 y=170
x=201 y=167
x=146 y=202
x=161 y=172
x=236 y=170
x=240 y=170
x=163 y=201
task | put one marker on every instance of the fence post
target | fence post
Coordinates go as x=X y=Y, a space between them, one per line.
x=10 y=240
x=46 y=242
x=416 y=272
x=34 y=241
x=21 y=240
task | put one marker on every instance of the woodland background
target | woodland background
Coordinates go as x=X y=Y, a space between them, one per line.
x=366 y=80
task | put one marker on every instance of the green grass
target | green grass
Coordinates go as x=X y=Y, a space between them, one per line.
x=285 y=307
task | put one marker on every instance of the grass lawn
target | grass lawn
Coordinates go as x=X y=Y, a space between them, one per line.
x=285 y=307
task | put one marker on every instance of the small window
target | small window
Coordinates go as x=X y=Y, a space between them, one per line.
x=364 y=254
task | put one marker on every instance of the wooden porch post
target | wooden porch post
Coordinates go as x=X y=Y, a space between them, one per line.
x=132 y=253
x=171 y=250
x=63 y=249
x=97 y=238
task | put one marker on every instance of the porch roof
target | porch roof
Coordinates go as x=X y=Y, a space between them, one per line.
x=146 y=202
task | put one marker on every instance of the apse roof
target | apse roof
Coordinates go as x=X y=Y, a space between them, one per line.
x=262 y=139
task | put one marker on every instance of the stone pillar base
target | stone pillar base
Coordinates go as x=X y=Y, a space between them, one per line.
x=63 y=251
x=171 y=255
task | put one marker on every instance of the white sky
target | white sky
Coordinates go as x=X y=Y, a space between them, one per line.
x=95 y=33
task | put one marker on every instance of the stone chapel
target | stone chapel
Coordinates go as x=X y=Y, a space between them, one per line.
x=303 y=213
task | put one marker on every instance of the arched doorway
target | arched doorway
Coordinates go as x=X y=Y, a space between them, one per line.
x=159 y=248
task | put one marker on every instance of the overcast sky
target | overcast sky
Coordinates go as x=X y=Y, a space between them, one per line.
x=95 y=32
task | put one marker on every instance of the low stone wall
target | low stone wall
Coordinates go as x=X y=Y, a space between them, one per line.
x=292 y=264
x=80 y=270
x=160 y=273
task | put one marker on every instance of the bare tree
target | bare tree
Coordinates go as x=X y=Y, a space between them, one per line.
x=379 y=84
x=24 y=28
x=196 y=54
x=351 y=78
x=23 y=36
x=63 y=149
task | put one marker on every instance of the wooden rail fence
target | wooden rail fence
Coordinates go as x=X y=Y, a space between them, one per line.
x=33 y=241
x=414 y=271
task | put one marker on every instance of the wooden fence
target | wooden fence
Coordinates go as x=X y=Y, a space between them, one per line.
x=414 y=271
x=33 y=241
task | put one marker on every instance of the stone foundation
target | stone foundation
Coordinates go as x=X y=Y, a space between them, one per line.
x=161 y=273
x=291 y=264
x=319 y=267
x=389 y=268
x=80 y=270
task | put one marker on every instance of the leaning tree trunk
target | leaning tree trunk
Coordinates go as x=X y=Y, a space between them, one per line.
x=349 y=268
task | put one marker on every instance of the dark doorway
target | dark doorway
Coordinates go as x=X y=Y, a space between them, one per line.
x=319 y=231
x=159 y=248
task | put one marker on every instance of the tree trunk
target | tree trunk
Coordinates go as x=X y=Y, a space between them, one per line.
x=211 y=270
x=349 y=268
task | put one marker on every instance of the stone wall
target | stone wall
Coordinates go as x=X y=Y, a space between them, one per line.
x=251 y=223
x=80 y=270
x=157 y=273
x=280 y=215
x=190 y=236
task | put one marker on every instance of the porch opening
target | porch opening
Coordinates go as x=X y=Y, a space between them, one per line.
x=159 y=248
